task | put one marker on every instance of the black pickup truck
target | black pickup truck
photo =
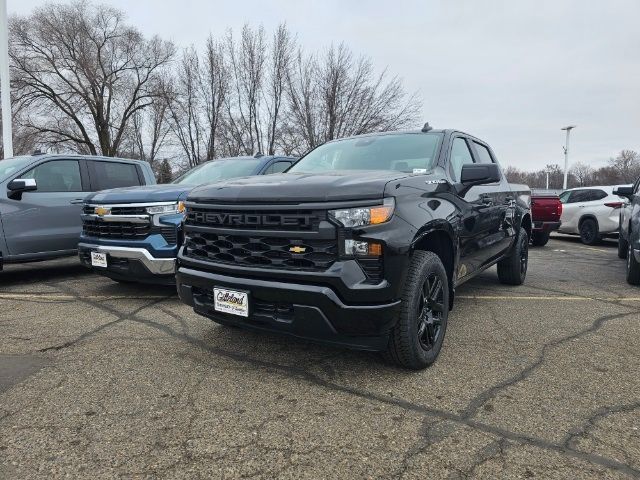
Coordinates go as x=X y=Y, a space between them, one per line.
x=361 y=243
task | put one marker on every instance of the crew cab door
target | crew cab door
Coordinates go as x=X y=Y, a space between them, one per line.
x=487 y=211
x=47 y=219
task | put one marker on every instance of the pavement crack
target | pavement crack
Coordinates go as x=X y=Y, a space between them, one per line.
x=583 y=430
x=476 y=403
x=296 y=372
x=120 y=318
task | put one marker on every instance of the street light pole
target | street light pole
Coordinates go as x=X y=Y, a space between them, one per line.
x=5 y=88
x=566 y=154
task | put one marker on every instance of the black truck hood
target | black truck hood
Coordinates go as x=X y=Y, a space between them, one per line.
x=151 y=193
x=298 y=187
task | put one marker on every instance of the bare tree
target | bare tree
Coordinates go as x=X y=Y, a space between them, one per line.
x=582 y=173
x=626 y=165
x=340 y=95
x=83 y=74
x=282 y=50
x=247 y=60
x=185 y=107
x=214 y=80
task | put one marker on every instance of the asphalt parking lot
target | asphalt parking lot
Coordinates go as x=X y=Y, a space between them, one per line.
x=101 y=380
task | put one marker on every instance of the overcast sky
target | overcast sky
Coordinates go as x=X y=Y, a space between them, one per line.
x=510 y=72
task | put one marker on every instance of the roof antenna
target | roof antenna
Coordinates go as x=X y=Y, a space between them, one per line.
x=258 y=155
x=427 y=127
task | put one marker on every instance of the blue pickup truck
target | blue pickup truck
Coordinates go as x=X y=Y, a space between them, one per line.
x=133 y=234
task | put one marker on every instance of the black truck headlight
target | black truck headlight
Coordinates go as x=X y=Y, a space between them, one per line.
x=362 y=216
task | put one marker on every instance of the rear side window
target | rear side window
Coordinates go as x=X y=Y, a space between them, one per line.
x=590 y=195
x=579 y=196
x=106 y=175
x=56 y=176
x=483 y=153
x=460 y=155
x=595 y=195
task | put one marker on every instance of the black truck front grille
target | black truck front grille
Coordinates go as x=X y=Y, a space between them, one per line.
x=272 y=220
x=271 y=252
x=124 y=230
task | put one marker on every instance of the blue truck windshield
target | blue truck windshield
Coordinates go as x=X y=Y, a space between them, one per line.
x=216 y=170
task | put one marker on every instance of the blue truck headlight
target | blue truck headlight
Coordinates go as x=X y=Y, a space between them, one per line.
x=177 y=207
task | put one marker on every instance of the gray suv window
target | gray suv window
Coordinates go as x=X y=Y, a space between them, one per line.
x=105 y=175
x=56 y=176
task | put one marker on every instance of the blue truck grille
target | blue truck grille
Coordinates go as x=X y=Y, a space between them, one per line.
x=270 y=252
x=127 y=231
x=124 y=230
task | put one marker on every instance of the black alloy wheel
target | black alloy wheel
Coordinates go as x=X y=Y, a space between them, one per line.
x=633 y=267
x=430 y=310
x=421 y=322
x=589 y=231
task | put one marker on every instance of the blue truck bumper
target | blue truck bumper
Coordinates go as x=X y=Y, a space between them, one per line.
x=133 y=262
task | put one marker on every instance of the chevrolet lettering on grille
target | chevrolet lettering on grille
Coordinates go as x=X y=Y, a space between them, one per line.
x=252 y=220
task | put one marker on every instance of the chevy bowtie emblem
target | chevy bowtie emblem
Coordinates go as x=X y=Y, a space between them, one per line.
x=102 y=211
x=297 y=249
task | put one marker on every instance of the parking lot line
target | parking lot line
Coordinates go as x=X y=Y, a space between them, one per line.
x=561 y=298
x=548 y=297
x=55 y=296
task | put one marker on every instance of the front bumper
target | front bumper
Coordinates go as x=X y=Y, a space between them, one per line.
x=312 y=312
x=127 y=263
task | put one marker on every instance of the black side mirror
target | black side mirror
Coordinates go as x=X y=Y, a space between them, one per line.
x=18 y=186
x=22 y=185
x=626 y=192
x=478 y=174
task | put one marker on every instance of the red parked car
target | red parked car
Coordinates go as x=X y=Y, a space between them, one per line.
x=546 y=210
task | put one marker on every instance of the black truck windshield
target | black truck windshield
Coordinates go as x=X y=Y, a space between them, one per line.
x=404 y=152
x=216 y=170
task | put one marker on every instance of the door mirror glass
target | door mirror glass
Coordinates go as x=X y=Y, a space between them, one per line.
x=22 y=185
x=479 y=174
x=626 y=192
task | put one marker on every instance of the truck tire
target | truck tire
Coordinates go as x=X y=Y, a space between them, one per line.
x=633 y=267
x=512 y=270
x=539 y=239
x=623 y=246
x=417 y=336
x=589 y=231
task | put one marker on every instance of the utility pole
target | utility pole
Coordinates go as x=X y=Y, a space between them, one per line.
x=547 y=172
x=566 y=154
x=5 y=87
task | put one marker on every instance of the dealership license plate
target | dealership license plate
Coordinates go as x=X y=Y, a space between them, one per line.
x=231 y=302
x=98 y=259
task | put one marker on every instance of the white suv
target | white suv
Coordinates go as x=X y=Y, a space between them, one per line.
x=591 y=212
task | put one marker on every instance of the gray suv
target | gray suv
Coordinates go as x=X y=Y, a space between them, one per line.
x=41 y=200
